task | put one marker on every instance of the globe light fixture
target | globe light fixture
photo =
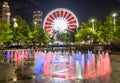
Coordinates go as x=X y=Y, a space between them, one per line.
x=114 y=14
x=15 y=25
x=35 y=23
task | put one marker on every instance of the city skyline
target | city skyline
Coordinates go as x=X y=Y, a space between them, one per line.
x=83 y=9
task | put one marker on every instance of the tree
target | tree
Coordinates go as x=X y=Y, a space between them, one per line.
x=84 y=31
x=39 y=36
x=5 y=32
x=66 y=37
x=22 y=32
x=105 y=31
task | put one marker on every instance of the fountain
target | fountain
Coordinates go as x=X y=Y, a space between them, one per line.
x=8 y=56
x=65 y=64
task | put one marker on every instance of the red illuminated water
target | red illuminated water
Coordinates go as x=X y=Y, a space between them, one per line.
x=16 y=59
x=71 y=68
x=65 y=65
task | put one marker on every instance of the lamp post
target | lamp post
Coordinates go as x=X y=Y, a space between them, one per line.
x=114 y=20
x=35 y=23
x=15 y=25
x=93 y=20
x=35 y=41
x=92 y=38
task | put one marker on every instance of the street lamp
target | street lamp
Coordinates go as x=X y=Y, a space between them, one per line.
x=92 y=38
x=114 y=20
x=93 y=20
x=35 y=23
x=15 y=25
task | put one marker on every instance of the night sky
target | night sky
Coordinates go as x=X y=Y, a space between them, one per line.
x=83 y=9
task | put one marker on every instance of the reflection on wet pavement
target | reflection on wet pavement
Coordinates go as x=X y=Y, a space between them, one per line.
x=9 y=74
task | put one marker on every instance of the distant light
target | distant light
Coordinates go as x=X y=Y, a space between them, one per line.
x=93 y=20
x=35 y=23
x=14 y=19
x=114 y=14
x=14 y=79
x=8 y=13
x=33 y=77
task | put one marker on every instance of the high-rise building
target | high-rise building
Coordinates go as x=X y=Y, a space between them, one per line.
x=38 y=17
x=6 y=12
x=0 y=10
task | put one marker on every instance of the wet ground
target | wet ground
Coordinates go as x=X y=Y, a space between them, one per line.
x=115 y=62
x=10 y=74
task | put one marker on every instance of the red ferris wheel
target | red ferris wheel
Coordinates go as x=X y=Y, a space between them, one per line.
x=60 y=20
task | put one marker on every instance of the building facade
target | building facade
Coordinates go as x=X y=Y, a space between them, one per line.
x=6 y=12
x=0 y=10
x=38 y=17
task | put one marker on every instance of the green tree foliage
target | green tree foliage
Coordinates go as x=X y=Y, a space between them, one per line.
x=39 y=36
x=116 y=34
x=66 y=37
x=108 y=30
x=83 y=32
x=103 y=31
x=22 y=32
x=99 y=32
x=5 y=32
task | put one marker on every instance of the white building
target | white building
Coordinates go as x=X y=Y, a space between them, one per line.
x=38 y=17
x=6 y=12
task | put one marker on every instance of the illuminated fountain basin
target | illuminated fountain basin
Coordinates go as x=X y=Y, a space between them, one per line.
x=73 y=65
x=65 y=64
